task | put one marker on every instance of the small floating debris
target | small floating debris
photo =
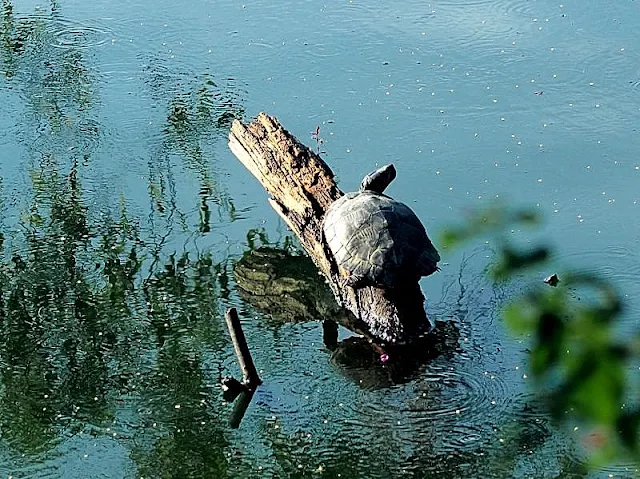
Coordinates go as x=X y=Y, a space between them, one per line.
x=552 y=280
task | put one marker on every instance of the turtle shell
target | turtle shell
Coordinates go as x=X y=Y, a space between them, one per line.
x=378 y=241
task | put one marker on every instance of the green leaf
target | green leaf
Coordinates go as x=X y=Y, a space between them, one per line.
x=520 y=317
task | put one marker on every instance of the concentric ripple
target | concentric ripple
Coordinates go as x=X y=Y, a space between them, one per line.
x=448 y=391
x=76 y=35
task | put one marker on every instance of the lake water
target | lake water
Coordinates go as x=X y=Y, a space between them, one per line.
x=123 y=212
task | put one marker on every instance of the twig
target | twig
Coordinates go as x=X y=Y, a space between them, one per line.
x=241 y=392
x=249 y=373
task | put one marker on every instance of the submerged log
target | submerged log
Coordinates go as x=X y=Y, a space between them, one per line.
x=302 y=187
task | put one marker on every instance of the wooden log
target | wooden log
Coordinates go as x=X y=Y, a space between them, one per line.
x=302 y=187
x=249 y=373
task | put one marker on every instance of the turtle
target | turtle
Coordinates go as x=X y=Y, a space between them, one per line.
x=376 y=240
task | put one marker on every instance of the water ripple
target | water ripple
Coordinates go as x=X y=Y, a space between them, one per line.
x=82 y=138
x=497 y=7
x=75 y=35
x=447 y=391
x=628 y=469
x=619 y=264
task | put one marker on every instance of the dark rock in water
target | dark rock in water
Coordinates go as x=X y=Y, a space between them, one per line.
x=552 y=280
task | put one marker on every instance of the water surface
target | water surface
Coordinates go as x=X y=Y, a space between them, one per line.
x=122 y=213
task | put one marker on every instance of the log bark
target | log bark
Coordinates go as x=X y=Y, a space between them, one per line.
x=302 y=187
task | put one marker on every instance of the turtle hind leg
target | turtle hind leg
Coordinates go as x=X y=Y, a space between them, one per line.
x=355 y=281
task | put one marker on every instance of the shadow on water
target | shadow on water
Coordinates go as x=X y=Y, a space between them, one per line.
x=286 y=286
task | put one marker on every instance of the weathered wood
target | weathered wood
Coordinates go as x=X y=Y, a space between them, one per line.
x=302 y=187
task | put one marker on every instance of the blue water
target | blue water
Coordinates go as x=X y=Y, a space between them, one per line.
x=113 y=138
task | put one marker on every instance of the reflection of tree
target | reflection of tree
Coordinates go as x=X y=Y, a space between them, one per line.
x=195 y=116
x=193 y=288
x=12 y=38
x=193 y=445
x=82 y=328
x=184 y=436
x=56 y=341
x=55 y=326
x=55 y=81
x=71 y=342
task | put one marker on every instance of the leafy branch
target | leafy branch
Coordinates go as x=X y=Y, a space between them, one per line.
x=579 y=364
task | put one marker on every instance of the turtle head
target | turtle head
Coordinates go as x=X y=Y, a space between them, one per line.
x=379 y=179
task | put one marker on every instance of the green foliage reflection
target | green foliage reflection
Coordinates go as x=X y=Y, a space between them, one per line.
x=103 y=328
x=196 y=114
